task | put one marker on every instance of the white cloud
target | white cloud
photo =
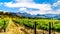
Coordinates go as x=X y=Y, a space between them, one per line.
x=29 y=5
x=24 y=4
x=57 y=3
x=33 y=12
x=22 y=9
x=1 y=4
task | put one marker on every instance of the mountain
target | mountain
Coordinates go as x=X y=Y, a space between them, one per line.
x=50 y=15
x=38 y=15
x=57 y=16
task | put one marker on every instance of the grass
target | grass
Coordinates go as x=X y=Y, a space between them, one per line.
x=3 y=23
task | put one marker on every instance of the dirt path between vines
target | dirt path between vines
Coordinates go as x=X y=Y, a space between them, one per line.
x=14 y=28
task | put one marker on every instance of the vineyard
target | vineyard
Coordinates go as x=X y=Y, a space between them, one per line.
x=3 y=24
x=41 y=24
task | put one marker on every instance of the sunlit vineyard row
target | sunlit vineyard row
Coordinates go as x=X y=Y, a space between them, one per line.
x=3 y=23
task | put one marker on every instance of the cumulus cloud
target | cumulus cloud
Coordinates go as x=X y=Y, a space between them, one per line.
x=56 y=6
x=24 y=4
x=29 y=5
x=57 y=3
x=22 y=9
x=1 y=4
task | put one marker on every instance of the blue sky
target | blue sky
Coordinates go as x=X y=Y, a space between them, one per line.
x=46 y=1
x=37 y=1
x=32 y=7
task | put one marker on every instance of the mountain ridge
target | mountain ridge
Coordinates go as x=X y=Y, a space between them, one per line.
x=29 y=15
